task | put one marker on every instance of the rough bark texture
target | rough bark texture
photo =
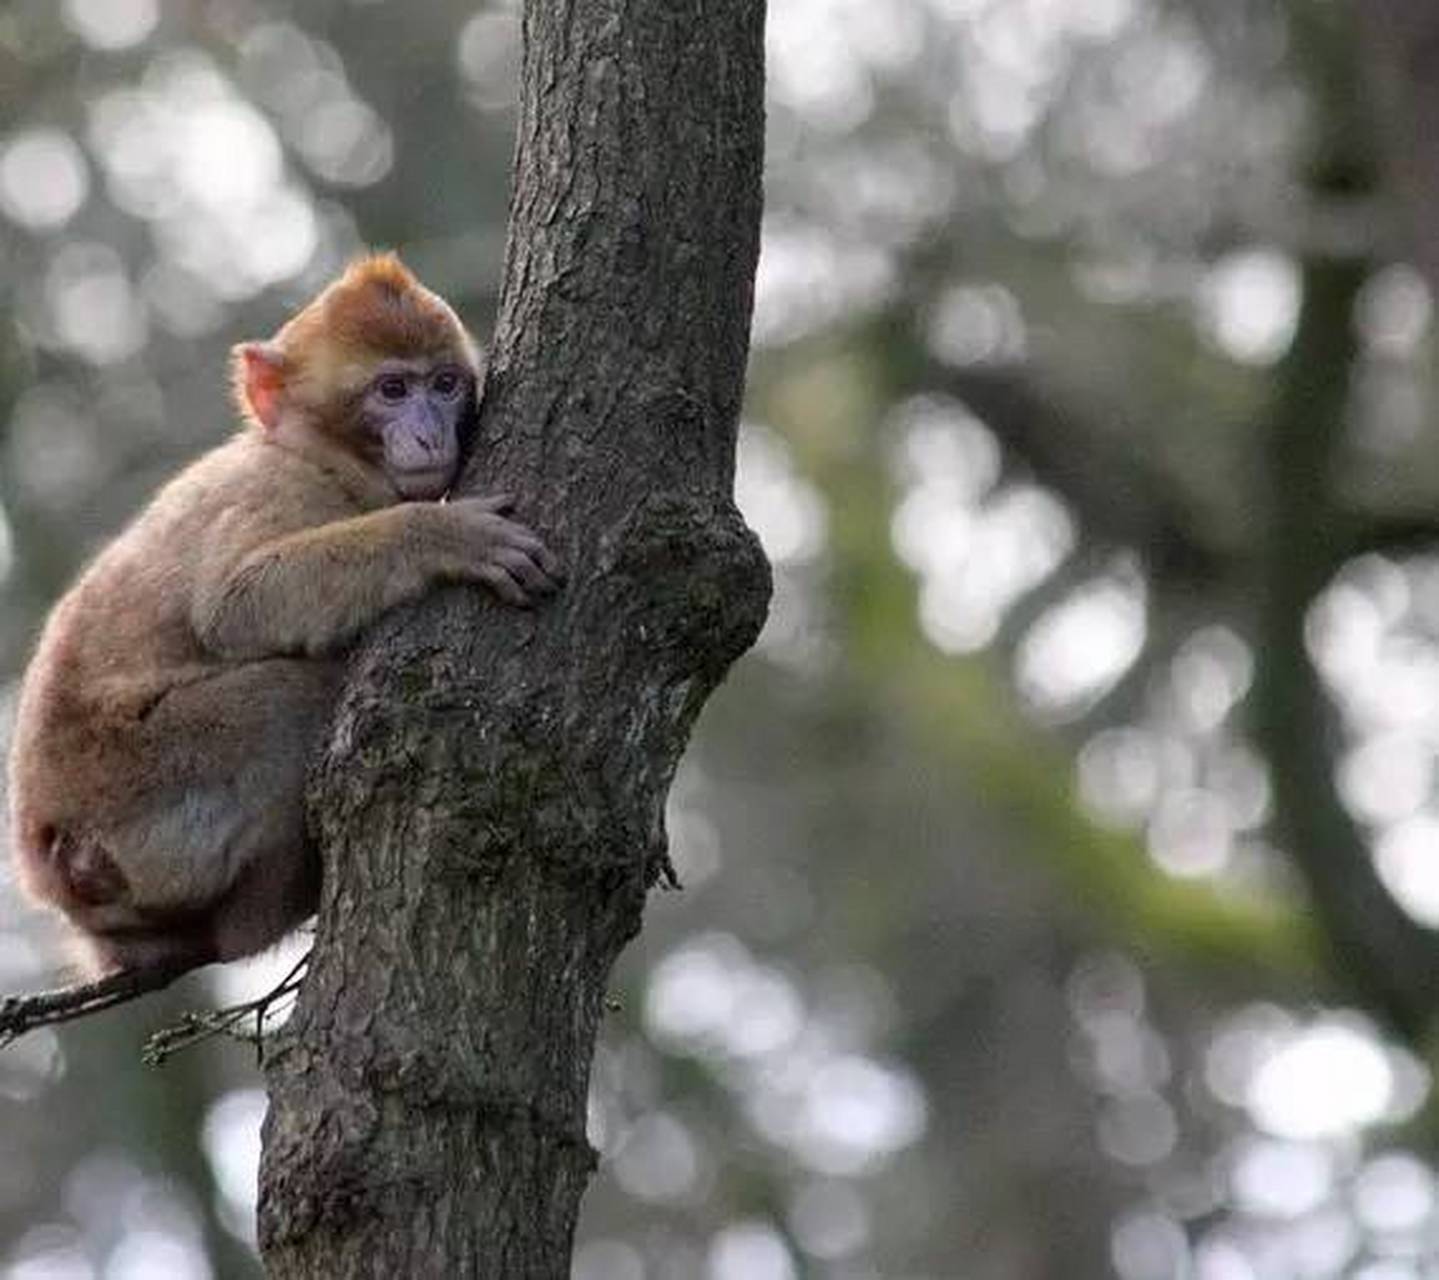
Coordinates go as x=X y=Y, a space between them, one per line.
x=491 y=804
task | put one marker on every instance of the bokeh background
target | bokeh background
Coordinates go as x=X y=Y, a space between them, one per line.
x=1061 y=870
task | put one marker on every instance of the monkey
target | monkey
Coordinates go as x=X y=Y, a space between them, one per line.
x=157 y=769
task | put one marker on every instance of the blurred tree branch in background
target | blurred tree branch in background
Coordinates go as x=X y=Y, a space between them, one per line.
x=1264 y=571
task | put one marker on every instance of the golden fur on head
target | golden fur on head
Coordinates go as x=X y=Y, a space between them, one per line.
x=377 y=310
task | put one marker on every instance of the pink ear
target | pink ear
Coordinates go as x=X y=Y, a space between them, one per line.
x=260 y=381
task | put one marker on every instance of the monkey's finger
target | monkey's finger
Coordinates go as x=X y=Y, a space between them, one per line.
x=523 y=568
x=522 y=539
x=550 y=563
x=499 y=531
x=525 y=539
x=503 y=585
x=499 y=503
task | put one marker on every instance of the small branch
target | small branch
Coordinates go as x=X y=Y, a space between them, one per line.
x=1121 y=499
x=195 y=1027
x=1397 y=534
x=19 y=1014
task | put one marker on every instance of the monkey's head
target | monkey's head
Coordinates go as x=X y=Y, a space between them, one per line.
x=379 y=364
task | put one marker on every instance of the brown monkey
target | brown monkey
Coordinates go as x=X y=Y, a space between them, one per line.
x=157 y=770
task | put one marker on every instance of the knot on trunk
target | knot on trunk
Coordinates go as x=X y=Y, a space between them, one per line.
x=699 y=577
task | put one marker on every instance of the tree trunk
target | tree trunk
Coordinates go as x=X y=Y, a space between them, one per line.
x=490 y=806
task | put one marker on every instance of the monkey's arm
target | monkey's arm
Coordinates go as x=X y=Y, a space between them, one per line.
x=312 y=592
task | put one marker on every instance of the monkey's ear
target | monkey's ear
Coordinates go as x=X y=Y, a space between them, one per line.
x=258 y=370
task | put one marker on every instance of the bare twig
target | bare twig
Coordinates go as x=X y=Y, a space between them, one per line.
x=19 y=1014
x=195 y=1027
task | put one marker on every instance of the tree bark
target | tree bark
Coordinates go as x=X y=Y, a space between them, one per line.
x=490 y=806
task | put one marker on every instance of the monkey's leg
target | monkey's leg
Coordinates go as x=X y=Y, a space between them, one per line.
x=219 y=865
x=250 y=875
x=278 y=885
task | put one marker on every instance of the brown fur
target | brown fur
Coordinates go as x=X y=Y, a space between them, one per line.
x=376 y=309
x=157 y=770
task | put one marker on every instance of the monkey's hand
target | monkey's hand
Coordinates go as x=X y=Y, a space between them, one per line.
x=504 y=555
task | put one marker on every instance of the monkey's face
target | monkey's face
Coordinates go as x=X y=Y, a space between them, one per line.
x=417 y=412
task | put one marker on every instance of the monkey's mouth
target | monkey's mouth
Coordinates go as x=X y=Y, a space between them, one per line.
x=424 y=482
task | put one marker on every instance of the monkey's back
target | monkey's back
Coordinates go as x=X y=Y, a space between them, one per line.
x=90 y=719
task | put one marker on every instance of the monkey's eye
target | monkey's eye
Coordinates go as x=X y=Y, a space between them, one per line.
x=446 y=382
x=392 y=388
